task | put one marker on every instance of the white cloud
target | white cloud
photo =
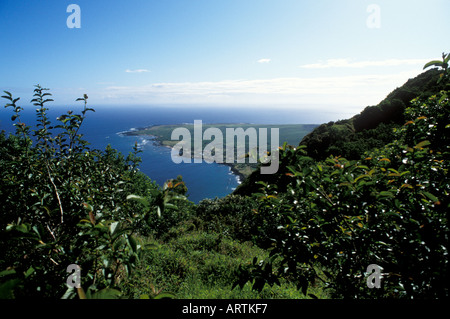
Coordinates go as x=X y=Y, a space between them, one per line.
x=137 y=71
x=347 y=63
x=264 y=60
x=353 y=90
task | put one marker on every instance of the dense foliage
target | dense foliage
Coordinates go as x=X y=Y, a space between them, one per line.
x=372 y=190
x=388 y=208
x=373 y=126
x=64 y=203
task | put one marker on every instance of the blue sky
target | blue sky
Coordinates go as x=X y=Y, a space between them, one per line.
x=319 y=54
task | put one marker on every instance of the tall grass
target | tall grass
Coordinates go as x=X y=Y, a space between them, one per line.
x=202 y=265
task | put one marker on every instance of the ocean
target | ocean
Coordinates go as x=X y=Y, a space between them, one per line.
x=203 y=180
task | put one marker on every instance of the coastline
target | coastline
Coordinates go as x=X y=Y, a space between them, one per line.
x=240 y=177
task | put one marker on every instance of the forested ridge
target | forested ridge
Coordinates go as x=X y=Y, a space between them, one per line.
x=371 y=190
x=372 y=128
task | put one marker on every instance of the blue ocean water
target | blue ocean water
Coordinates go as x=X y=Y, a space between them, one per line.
x=203 y=180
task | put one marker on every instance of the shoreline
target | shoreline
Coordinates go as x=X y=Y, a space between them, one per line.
x=240 y=177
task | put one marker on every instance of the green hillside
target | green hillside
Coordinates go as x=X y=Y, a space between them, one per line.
x=350 y=138
x=81 y=223
x=373 y=126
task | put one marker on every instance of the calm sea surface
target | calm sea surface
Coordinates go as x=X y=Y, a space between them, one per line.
x=203 y=180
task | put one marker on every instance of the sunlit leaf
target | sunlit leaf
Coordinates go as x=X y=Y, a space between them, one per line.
x=433 y=63
x=422 y=144
x=113 y=227
x=431 y=196
x=139 y=199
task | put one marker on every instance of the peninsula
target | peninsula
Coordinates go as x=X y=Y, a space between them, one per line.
x=292 y=134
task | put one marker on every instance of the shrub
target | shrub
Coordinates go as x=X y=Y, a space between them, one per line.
x=64 y=203
x=230 y=216
x=388 y=208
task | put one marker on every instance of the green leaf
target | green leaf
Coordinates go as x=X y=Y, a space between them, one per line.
x=7 y=288
x=386 y=194
x=107 y=293
x=431 y=197
x=168 y=205
x=151 y=246
x=29 y=272
x=23 y=228
x=139 y=199
x=360 y=177
x=7 y=272
x=265 y=184
x=434 y=62
x=164 y=295
x=8 y=93
x=422 y=144
x=132 y=243
x=393 y=170
x=447 y=58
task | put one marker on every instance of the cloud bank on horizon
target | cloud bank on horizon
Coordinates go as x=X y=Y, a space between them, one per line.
x=351 y=91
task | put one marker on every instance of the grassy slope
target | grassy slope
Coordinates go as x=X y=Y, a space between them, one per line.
x=202 y=265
